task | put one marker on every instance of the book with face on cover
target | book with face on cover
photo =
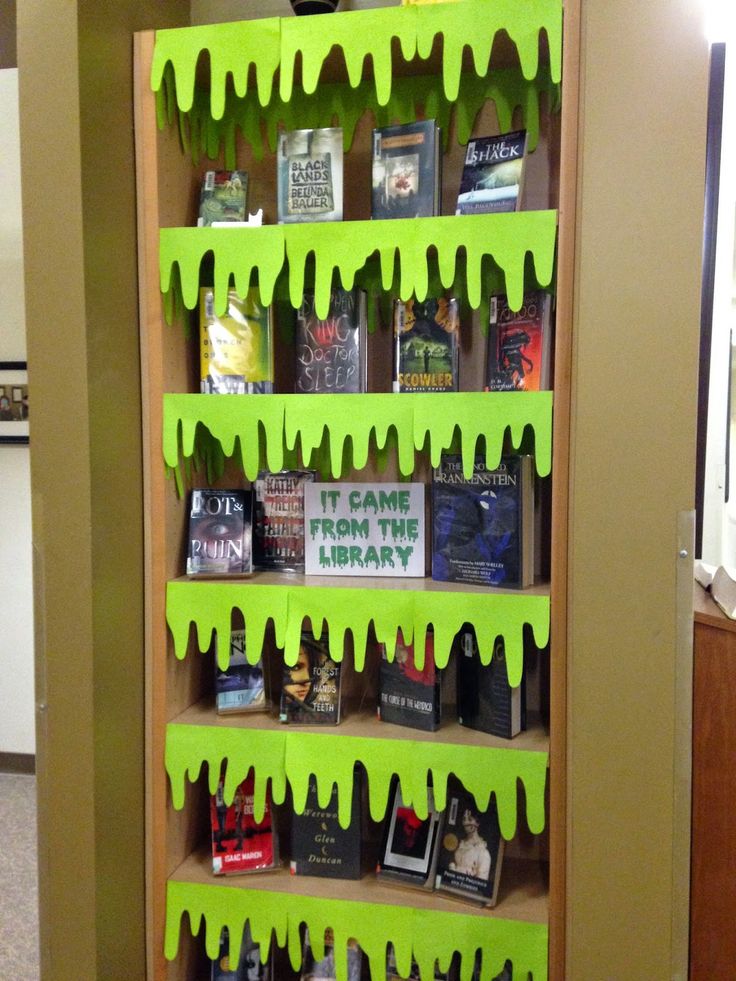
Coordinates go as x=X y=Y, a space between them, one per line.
x=406 y=170
x=310 y=691
x=471 y=848
x=239 y=842
x=309 y=171
x=236 y=348
x=493 y=175
x=223 y=197
x=220 y=533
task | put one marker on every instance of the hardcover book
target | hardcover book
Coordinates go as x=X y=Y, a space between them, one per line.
x=408 y=696
x=409 y=848
x=310 y=692
x=392 y=972
x=519 y=344
x=331 y=353
x=219 y=533
x=236 y=349
x=485 y=699
x=319 y=845
x=239 y=842
x=426 y=339
x=325 y=969
x=278 y=531
x=309 y=165
x=223 y=197
x=483 y=528
x=248 y=968
x=406 y=170
x=471 y=849
x=493 y=174
x=241 y=687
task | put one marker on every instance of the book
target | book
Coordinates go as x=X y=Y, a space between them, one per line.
x=723 y=590
x=331 y=353
x=507 y=974
x=325 y=969
x=249 y=966
x=309 y=175
x=483 y=528
x=241 y=687
x=426 y=344
x=471 y=849
x=409 y=846
x=485 y=699
x=493 y=174
x=219 y=533
x=392 y=972
x=406 y=178
x=278 y=526
x=319 y=845
x=239 y=842
x=223 y=197
x=310 y=691
x=408 y=696
x=236 y=349
x=519 y=344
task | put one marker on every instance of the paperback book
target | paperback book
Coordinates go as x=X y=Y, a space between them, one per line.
x=319 y=845
x=219 y=533
x=471 y=849
x=310 y=691
x=331 y=353
x=309 y=165
x=426 y=344
x=493 y=174
x=325 y=969
x=241 y=687
x=249 y=966
x=278 y=530
x=485 y=699
x=409 y=696
x=236 y=349
x=483 y=527
x=519 y=344
x=409 y=848
x=406 y=170
x=223 y=197
x=239 y=842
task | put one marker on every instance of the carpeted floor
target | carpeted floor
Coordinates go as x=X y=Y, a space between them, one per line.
x=18 y=878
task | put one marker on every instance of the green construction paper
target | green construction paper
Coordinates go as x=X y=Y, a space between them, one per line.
x=427 y=935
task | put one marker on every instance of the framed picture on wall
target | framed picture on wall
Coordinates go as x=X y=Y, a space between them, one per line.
x=13 y=402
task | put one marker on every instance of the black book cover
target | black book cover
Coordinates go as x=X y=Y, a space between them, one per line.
x=426 y=337
x=219 y=533
x=493 y=174
x=319 y=845
x=248 y=968
x=310 y=692
x=325 y=969
x=485 y=699
x=408 y=696
x=409 y=847
x=471 y=849
x=406 y=170
x=278 y=529
x=241 y=687
x=330 y=353
x=482 y=528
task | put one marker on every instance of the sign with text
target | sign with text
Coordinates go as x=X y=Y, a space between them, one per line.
x=364 y=529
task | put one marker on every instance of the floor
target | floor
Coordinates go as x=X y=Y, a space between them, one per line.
x=18 y=878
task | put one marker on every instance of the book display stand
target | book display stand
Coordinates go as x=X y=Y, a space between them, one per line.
x=220 y=93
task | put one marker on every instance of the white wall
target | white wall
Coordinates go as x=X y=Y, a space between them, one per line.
x=17 y=718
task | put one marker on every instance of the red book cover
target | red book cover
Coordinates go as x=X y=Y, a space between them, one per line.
x=519 y=344
x=239 y=842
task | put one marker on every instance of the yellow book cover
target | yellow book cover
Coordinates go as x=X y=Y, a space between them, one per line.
x=236 y=350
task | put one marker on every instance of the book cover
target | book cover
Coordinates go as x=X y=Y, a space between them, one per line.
x=519 y=344
x=241 y=687
x=507 y=974
x=485 y=699
x=409 y=848
x=483 y=528
x=249 y=966
x=331 y=353
x=406 y=695
x=471 y=849
x=219 y=533
x=319 y=845
x=406 y=170
x=278 y=529
x=223 y=197
x=236 y=349
x=239 y=843
x=325 y=969
x=392 y=972
x=310 y=691
x=426 y=343
x=309 y=172
x=493 y=174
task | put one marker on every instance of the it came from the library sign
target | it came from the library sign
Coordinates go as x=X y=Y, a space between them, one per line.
x=364 y=529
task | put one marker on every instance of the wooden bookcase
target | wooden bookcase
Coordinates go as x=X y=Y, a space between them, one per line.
x=533 y=885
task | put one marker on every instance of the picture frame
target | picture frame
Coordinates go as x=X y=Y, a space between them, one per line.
x=14 y=402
